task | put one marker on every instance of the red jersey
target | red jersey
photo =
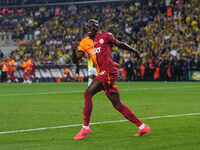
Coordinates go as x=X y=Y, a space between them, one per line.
x=102 y=44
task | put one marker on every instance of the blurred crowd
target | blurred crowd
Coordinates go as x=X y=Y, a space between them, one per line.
x=51 y=31
x=167 y=34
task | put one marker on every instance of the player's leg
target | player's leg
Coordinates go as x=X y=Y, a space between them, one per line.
x=29 y=77
x=32 y=75
x=90 y=79
x=127 y=113
x=94 y=88
x=25 y=76
x=92 y=73
x=12 y=76
x=9 y=76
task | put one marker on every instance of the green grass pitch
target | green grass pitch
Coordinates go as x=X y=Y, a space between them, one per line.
x=44 y=105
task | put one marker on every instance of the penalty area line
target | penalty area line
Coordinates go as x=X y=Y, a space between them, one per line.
x=97 y=123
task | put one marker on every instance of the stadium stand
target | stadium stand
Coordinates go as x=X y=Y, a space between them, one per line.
x=166 y=33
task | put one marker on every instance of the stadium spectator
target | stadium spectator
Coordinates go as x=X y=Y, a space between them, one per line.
x=11 y=70
x=47 y=32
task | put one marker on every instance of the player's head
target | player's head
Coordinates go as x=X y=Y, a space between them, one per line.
x=92 y=26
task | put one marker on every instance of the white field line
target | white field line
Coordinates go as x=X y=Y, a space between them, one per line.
x=96 y=123
x=81 y=91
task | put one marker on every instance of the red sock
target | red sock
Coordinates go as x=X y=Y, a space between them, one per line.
x=126 y=112
x=87 y=108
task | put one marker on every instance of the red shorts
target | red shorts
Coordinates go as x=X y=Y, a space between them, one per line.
x=108 y=82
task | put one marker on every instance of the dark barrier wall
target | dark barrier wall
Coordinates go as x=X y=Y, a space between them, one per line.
x=73 y=73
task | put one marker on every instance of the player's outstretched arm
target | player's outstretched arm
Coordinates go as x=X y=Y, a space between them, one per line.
x=125 y=46
x=76 y=55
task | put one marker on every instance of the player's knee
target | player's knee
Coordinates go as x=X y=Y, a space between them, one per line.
x=115 y=100
x=116 y=104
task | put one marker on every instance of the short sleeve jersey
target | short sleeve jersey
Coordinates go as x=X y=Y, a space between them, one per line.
x=103 y=43
x=23 y=64
x=12 y=65
x=4 y=65
x=29 y=65
x=86 y=45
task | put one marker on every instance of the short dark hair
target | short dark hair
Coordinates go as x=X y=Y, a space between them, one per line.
x=94 y=21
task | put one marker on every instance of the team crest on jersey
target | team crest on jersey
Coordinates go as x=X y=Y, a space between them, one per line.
x=101 y=41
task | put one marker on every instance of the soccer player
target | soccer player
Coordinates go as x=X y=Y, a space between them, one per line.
x=24 y=66
x=92 y=72
x=98 y=46
x=11 y=69
x=29 y=67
